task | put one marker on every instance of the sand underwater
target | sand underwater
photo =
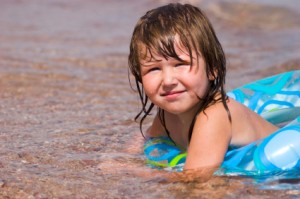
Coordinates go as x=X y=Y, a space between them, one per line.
x=66 y=107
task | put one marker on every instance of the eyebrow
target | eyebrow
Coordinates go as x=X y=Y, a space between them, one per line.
x=150 y=63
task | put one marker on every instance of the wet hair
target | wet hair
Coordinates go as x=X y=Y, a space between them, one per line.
x=155 y=32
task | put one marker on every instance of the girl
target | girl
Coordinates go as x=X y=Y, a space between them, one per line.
x=179 y=65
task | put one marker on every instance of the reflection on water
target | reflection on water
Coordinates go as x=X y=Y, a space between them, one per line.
x=281 y=181
x=66 y=107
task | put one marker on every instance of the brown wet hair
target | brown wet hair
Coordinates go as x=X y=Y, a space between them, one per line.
x=155 y=32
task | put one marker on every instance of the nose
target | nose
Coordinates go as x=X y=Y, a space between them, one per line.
x=169 y=77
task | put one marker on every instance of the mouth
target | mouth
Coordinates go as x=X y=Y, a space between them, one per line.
x=172 y=94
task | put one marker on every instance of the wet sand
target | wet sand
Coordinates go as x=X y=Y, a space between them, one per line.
x=66 y=107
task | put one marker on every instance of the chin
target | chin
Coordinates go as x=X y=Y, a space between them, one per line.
x=176 y=111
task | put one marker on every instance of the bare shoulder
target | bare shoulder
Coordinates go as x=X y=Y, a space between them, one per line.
x=215 y=114
x=236 y=107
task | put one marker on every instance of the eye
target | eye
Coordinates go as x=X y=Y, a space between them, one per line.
x=183 y=64
x=153 y=69
x=147 y=70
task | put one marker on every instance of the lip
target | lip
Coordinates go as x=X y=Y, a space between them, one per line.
x=172 y=95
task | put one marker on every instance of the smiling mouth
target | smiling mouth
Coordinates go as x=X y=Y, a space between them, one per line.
x=172 y=95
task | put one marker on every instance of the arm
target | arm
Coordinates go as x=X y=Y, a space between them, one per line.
x=210 y=139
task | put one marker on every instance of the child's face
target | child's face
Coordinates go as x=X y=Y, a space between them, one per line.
x=174 y=85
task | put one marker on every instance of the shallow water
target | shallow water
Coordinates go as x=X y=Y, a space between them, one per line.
x=66 y=107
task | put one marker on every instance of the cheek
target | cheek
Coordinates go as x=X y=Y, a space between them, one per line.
x=202 y=88
x=149 y=86
x=199 y=84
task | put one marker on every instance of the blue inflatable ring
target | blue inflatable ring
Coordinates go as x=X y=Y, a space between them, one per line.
x=275 y=98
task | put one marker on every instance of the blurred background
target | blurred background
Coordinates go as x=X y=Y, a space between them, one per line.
x=67 y=109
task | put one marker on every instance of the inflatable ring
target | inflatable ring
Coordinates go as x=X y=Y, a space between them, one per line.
x=275 y=98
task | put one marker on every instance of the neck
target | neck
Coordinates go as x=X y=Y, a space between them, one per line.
x=181 y=127
x=188 y=116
